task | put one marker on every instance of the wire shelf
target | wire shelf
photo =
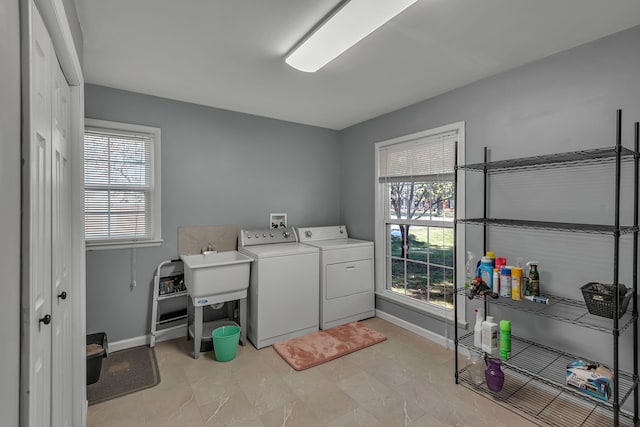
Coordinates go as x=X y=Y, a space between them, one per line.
x=172 y=295
x=536 y=374
x=562 y=309
x=549 y=366
x=547 y=404
x=171 y=319
x=573 y=158
x=549 y=226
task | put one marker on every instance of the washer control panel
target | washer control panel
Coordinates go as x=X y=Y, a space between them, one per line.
x=266 y=236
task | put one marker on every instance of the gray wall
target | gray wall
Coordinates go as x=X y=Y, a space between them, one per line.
x=561 y=103
x=218 y=167
x=10 y=211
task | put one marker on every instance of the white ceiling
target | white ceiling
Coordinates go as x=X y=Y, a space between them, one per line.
x=230 y=53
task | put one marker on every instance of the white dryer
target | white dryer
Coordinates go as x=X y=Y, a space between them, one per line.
x=283 y=299
x=346 y=275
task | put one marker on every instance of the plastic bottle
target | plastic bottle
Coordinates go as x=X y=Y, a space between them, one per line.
x=505 y=282
x=516 y=283
x=505 y=339
x=470 y=269
x=496 y=281
x=490 y=336
x=492 y=256
x=498 y=264
x=477 y=330
x=486 y=271
x=533 y=288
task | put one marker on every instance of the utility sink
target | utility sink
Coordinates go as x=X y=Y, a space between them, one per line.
x=216 y=274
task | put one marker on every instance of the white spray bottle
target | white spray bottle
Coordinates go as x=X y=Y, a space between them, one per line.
x=470 y=268
x=477 y=330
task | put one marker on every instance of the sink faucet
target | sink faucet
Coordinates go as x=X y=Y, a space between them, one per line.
x=210 y=249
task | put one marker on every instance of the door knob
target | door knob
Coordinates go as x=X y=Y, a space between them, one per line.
x=46 y=319
x=62 y=295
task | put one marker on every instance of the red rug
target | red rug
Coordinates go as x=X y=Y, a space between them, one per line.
x=322 y=346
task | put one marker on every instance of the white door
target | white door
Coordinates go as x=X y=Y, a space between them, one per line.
x=36 y=299
x=61 y=297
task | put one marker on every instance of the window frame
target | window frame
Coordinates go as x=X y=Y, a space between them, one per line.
x=382 y=267
x=155 y=194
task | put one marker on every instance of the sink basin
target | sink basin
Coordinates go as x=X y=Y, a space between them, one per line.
x=216 y=274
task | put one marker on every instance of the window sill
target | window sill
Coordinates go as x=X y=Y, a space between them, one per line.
x=421 y=307
x=122 y=244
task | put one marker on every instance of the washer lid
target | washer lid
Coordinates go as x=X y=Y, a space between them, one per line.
x=277 y=250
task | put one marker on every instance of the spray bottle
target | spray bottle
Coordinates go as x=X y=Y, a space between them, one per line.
x=470 y=269
x=533 y=287
x=477 y=330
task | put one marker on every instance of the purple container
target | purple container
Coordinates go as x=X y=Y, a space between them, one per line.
x=494 y=375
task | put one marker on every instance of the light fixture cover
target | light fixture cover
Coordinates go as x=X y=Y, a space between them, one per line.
x=352 y=22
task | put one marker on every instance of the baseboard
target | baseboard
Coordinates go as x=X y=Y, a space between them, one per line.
x=181 y=332
x=146 y=339
x=425 y=333
x=128 y=343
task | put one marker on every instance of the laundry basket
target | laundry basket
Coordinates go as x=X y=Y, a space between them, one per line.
x=225 y=342
x=600 y=299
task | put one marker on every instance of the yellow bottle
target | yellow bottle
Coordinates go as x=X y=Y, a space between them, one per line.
x=516 y=283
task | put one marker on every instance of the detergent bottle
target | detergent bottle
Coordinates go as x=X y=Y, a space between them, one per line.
x=486 y=271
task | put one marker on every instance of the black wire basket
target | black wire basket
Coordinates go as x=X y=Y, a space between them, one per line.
x=600 y=299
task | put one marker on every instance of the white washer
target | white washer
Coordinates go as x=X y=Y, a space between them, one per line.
x=283 y=299
x=346 y=275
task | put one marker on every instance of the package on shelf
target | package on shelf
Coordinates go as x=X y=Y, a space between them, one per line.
x=591 y=378
x=171 y=285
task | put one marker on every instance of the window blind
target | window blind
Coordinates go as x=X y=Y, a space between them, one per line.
x=430 y=159
x=118 y=171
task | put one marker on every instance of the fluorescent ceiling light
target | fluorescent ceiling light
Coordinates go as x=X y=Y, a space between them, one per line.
x=351 y=22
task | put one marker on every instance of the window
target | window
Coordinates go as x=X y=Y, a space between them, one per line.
x=121 y=185
x=416 y=204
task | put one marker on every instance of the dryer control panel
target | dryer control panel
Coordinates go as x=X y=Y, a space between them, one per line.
x=266 y=236
x=310 y=234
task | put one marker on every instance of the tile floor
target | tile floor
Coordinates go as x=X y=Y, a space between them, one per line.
x=404 y=381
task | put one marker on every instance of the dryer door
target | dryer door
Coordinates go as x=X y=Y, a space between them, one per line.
x=348 y=278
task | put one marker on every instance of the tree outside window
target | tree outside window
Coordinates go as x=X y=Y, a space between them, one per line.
x=422 y=255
